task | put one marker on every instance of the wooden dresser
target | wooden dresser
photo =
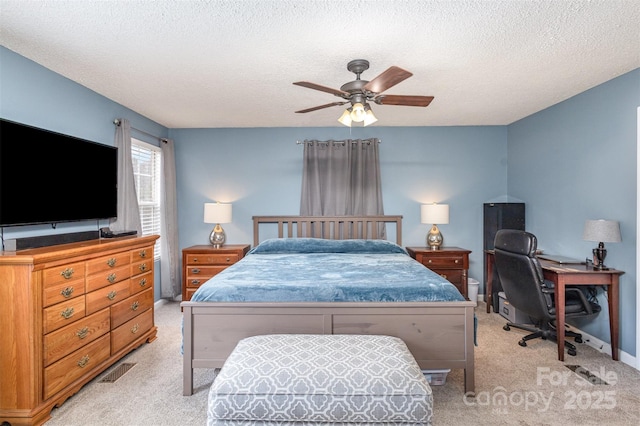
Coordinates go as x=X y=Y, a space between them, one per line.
x=199 y=263
x=67 y=313
x=452 y=263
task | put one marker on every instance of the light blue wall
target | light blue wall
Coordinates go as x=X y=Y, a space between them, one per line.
x=260 y=172
x=577 y=161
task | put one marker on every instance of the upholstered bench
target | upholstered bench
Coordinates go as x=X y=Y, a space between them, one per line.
x=318 y=379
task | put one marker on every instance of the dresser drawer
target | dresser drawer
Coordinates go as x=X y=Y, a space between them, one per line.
x=60 y=374
x=131 y=330
x=130 y=307
x=63 y=273
x=212 y=259
x=105 y=278
x=141 y=266
x=62 y=314
x=107 y=263
x=73 y=336
x=141 y=282
x=107 y=296
x=453 y=262
x=59 y=292
x=142 y=254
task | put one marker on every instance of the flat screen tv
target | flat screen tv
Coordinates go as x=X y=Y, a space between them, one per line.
x=48 y=177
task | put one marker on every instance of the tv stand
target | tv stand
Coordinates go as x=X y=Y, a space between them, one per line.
x=69 y=312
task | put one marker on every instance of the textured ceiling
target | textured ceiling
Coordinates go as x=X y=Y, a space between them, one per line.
x=191 y=64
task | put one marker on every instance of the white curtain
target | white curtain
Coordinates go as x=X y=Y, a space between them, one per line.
x=170 y=284
x=341 y=178
x=128 y=212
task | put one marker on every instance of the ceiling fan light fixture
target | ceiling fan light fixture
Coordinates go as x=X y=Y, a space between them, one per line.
x=358 y=112
x=345 y=118
x=369 y=117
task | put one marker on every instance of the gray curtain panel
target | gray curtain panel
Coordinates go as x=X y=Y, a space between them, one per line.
x=341 y=178
x=128 y=212
x=170 y=284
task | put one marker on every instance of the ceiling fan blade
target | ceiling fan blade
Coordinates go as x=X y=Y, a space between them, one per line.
x=314 y=86
x=389 y=78
x=321 y=107
x=421 y=101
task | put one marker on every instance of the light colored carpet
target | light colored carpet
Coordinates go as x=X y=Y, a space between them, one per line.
x=514 y=385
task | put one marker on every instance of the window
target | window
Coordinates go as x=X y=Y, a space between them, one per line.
x=146 y=160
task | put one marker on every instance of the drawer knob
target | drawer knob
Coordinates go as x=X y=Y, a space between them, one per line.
x=195 y=260
x=111 y=262
x=444 y=276
x=143 y=282
x=112 y=295
x=67 y=313
x=143 y=267
x=134 y=329
x=83 y=361
x=143 y=253
x=228 y=259
x=83 y=332
x=135 y=305
x=67 y=273
x=195 y=270
x=430 y=261
x=457 y=261
x=111 y=278
x=66 y=292
x=195 y=282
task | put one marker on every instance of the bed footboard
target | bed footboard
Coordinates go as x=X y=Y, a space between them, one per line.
x=438 y=334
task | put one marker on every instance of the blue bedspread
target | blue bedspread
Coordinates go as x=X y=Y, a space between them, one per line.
x=317 y=270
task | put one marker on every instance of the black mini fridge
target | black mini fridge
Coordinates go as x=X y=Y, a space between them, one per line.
x=499 y=216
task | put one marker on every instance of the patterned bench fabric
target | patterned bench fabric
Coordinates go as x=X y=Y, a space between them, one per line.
x=309 y=379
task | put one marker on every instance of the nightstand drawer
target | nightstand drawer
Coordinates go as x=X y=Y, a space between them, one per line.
x=198 y=272
x=454 y=276
x=212 y=259
x=454 y=262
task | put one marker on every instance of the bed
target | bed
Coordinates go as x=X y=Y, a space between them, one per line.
x=437 y=328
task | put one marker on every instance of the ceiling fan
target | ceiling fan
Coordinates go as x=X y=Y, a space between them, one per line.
x=359 y=93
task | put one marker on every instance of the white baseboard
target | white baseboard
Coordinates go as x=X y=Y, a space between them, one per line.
x=605 y=348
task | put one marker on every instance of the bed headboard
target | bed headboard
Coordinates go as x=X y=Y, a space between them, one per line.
x=329 y=227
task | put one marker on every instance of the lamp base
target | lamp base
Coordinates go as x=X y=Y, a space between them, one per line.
x=434 y=238
x=217 y=236
x=599 y=254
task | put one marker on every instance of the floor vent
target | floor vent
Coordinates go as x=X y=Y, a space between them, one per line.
x=117 y=372
x=586 y=374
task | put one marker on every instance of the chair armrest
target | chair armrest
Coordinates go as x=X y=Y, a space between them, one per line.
x=580 y=296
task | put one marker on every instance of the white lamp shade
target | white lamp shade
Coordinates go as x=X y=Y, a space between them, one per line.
x=436 y=214
x=217 y=213
x=606 y=231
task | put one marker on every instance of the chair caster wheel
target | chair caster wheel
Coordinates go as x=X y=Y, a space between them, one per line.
x=572 y=352
x=506 y=327
x=522 y=343
x=578 y=339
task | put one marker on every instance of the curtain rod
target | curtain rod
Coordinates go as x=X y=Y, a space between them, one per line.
x=341 y=142
x=117 y=123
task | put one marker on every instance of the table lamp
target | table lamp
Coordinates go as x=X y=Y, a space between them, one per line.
x=603 y=231
x=435 y=214
x=217 y=213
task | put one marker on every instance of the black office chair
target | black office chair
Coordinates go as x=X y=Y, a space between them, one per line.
x=526 y=290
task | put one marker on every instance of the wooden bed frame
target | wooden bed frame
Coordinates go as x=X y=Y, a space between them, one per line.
x=440 y=335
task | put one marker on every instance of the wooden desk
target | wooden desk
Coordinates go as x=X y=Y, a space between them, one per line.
x=563 y=275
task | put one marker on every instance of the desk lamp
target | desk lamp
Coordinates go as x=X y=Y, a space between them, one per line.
x=436 y=214
x=603 y=231
x=217 y=213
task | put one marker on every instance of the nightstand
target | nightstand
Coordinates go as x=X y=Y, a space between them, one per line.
x=452 y=263
x=199 y=263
